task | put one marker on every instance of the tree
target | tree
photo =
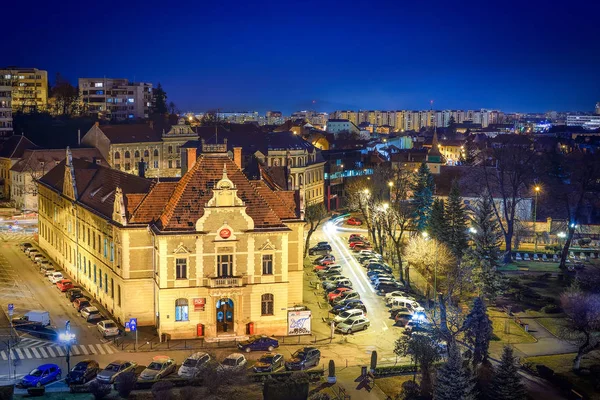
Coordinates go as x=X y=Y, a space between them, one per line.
x=172 y=108
x=454 y=380
x=506 y=383
x=99 y=390
x=125 y=383
x=477 y=330
x=314 y=214
x=410 y=391
x=431 y=258
x=210 y=118
x=507 y=170
x=65 y=97
x=583 y=321
x=468 y=155
x=159 y=100
x=483 y=257
x=422 y=197
x=451 y=128
x=456 y=223
x=438 y=228
x=163 y=390
x=424 y=350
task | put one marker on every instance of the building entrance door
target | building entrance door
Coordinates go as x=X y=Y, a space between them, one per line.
x=224 y=315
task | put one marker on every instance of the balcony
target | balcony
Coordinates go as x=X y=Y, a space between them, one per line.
x=226 y=282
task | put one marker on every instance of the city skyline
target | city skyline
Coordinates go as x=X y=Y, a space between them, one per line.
x=328 y=57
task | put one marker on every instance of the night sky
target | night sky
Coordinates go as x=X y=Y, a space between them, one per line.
x=526 y=55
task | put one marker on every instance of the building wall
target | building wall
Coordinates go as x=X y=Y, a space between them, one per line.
x=29 y=88
x=6 y=120
x=115 y=98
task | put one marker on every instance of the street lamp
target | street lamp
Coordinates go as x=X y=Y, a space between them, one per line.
x=537 y=192
x=391 y=185
x=67 y=338
x=425 y=234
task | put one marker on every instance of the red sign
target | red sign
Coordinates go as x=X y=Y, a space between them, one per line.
x=199 y=304
x=225 y=233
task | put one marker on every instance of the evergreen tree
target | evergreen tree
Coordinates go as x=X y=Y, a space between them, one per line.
x=454 y=380
x=469 y=154
x=507 y=384
x=437 y=222
x=478 y=331
x=422 y=188
x=159 y=105
x=456 y=221
x=484 y=255
x=451 y=128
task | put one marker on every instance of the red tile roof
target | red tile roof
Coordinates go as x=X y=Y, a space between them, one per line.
x=152 y=205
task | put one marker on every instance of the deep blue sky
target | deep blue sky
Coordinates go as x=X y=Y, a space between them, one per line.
x=525 y=55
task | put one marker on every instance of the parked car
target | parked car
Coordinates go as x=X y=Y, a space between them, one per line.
x=341 y=317
x=258 y=343
x=55 y=277
x=29 y=249
x=83 y=372
x=337 y=281
x=329 y=275
x=345 y=296
x=64 y=284
x=402 y=318
x=349 y=304
x=44 y=268
x=85 y=312
x=360 y=247
x=337 y=292
x=322 y=259
x=234 y=361
x=304 y=358
x=399 y=302
x=354 y=221
x=50 y=271
x=38 y=258
x=323 y=249
x=74 y=293
x=416 y=326
x=268 y=362
x=108 y=328
x=25 y=245
x=353 y=324
x=328 y=269
x=114 y=369
x=383 y=279
x=81 y=303
x=41 y=376
x=397 y=293
x=387 y=287
x=32 y=252
x=160 y=367
x=193 y=365
x=355 y=236
x=94 y=318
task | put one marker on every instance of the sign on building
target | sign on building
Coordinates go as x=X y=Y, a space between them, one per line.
x=299 y=322
x=199 y=304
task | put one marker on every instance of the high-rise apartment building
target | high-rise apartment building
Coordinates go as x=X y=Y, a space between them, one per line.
x=29 y=87
x=115 y=98
x=274 y=118
x=598 y=108
x=5 y=106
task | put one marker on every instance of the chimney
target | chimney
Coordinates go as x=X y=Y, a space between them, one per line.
x=142 y=169
x=237 y=156
x=97 y=123
x=191 y=155
x=79 y=137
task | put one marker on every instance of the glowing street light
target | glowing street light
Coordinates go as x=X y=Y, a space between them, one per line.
x=537 y=192
x=561 y=235
x=472 y=230
x=425 y=234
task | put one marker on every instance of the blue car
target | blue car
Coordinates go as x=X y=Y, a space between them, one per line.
x=349 y=305
x=42 y=375
x=258 y=343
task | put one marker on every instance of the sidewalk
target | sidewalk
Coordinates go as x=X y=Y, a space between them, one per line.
x=547 y=343
x=348 y=380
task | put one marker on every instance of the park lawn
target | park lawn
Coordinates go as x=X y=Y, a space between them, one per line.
x=516 y=333
x=553 y=325
x=562 y=364
x=392 y=386
x=535 y=266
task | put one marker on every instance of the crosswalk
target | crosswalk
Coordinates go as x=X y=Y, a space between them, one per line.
x=53 y=351
x=14 y=236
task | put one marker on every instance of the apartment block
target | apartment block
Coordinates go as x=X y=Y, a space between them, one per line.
x=5 y=106
x=29 y=87
x=118 y=99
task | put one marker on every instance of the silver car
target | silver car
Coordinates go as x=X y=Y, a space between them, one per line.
x=160 y=367
x=114 y=369
x=192 y=366
x=353 y=324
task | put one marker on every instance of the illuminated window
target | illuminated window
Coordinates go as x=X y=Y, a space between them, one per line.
x=181 y=310
x=98 y=84
x=267 y=264
x=181 y=268
x=266 y=302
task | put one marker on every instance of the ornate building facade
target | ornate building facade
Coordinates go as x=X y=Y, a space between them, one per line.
x=213 y=254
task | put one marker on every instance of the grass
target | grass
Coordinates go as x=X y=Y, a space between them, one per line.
x=392 y=386
x=58 y=396
x=553 y=324
x=562 y=364
x=534 y=266
x=515 y=334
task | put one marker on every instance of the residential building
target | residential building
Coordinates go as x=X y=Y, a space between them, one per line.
x=118 y=99
x=6 y=121
x=11 y=151
x=239 y=117
x=351 y=116
x=34 y=164
x=29 y=88
x=126 y=146
x=597 y=111
x=337 y=126
x=215 y=254
x=584 y=121
x=274 y=118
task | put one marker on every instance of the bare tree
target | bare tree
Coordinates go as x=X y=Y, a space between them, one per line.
x=432 y=259
x=507 y=171
x=314 y=214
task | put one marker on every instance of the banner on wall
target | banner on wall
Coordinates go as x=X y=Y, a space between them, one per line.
x=299 y=322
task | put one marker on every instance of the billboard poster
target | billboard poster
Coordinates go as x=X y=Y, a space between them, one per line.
x=299 y=322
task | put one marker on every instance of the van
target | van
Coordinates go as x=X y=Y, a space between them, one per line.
x=401 y=302
x=39 y=317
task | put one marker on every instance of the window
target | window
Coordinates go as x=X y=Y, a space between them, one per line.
x=130 y=100
x=267 y=264
x=127 y=154
x=127 y=166
x=94 y=273
x=89 y=270
x=105 y=247
x=112 y=288
x=84 y=265
x=178 y=163
x=136 y=154
x=146 y=153
x=181 y=268
x=100 y=274
x=170 y=149
x=105 y=282
x=112 y=252
x=181 y=310
x=266 y=301
x=119 y=295
x=98 y=84
x=170 y=163
x=155 y=153
x=224 y=265
x=155 y=164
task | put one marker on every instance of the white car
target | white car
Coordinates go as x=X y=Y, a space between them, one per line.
x=397 y=293
x=353 y=324
x=55 y=277
x=348 y=314
x=193 y=365
x=234 y=361
x=86 y=311
x=108 y=328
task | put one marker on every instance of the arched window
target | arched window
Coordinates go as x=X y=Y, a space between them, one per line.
x=146 y=153
x=181 y=310
x=117 y=155
x=137 y=154
x=155 y=153
x=127 y=154
x=170 y=149
x=266 y=301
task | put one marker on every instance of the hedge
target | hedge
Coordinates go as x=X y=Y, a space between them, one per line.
x=380 y=372
x=314 y=374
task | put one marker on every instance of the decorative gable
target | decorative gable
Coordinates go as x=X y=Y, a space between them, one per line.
x=119 y=210
x=181 y=249
x=69 y=184
x=267 y=246
x=225 y=193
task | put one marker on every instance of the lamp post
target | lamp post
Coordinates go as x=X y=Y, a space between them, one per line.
x=67 y=338
x=537 y=192
x=391 y=185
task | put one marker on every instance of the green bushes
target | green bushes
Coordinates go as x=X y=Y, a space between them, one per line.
x=381 y=372
x=551 y=309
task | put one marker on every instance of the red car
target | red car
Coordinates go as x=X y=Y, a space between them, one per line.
x=359 y=243
x=354 y=221
x=337 y=292
x=323 y=266
x=360 y=247
x=64 y=285
x=355 y=237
